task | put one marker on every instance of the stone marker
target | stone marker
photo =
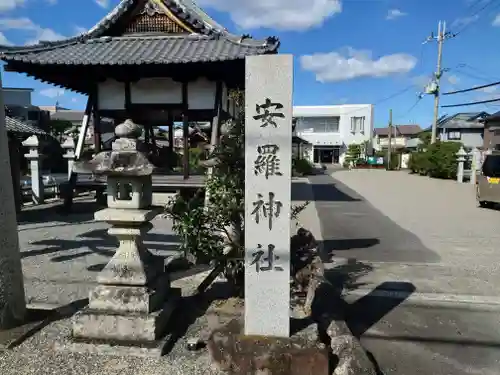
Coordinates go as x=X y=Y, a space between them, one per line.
x=12 y=300
x=34 y=157
x=461 y=154
x=69 y=145
x=133 y=300
x=268 y=155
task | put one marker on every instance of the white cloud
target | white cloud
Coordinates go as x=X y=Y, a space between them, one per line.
x=52 y=92
x=335 y=66
x=489 y=90
x=102 y=3
x=74 y=100
x=276 y=14
x=496 y=21
x=392 y=14
x=464 y=21
x=80 y=30
x=453 y=80
x=421 y=80
x=36 y=31
x=7 y=5
x=3 y=40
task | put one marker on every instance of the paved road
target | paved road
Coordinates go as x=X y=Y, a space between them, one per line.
x=384 y=234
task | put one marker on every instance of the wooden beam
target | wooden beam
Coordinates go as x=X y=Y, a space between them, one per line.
x=170 y=123
x=185 y=130
x=69 y=188
x=128 y=98
x=214 y=137
x=84 y=128
x=96 y=120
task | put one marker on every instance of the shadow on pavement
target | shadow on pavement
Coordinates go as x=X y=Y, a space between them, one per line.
x=353 y=228
x=322 y=192
x=82 y=211
x=368 y=310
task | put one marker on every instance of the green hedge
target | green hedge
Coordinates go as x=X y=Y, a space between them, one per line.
x=302 y=167
x=438 y=160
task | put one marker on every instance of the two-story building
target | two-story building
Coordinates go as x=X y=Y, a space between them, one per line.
x=400 y=136
x=329 y=130
x=491 y=139
x=464 y=127
x=18 y=105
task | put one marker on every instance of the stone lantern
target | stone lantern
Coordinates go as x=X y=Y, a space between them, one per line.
x=461 y=154
x=133 y=300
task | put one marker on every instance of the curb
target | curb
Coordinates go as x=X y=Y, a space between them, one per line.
x=352 y=357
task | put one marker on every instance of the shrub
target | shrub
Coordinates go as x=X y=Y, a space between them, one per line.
x=438 y=160
x=302 y=167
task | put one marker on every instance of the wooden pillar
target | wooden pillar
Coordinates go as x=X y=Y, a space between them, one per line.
x=15 y=170
x=96 y=120
x=147 y=134
x=170 y=123
x=69 y=188
x=185 y=130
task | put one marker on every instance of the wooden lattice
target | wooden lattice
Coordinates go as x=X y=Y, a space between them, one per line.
x=160 y=23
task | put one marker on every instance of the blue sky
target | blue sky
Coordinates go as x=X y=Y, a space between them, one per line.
x=346 y=51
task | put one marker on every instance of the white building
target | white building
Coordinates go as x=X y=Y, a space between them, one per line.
x=330 y=129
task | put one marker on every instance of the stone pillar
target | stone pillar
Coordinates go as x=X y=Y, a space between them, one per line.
x=476 y=165
x=133 y=300
x=12 y=300
x=461 y=154
x=34 y=157
x=69 y=145
x=15 y=171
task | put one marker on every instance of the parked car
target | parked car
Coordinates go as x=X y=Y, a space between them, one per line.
x=488 y=182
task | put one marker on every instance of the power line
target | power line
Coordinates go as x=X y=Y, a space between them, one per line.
x=473 y=103
x=486 y=76
x=475 y=15
x=472 y=88
x=384 y=99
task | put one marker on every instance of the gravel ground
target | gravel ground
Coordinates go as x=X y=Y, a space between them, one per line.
x=61 y=256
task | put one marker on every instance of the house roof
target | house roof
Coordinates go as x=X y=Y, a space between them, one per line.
x=463 y=120
x=493 y=117
x=193 y=36
x=14 y=125
x=400 y=130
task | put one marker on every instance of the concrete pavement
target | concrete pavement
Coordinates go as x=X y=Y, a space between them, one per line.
x=420 y=269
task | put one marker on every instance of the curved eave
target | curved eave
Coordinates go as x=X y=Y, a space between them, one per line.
x=186 y=10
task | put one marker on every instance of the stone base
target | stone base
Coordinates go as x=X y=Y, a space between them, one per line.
x=138 y=327
x=300 y=354
x=153 y=349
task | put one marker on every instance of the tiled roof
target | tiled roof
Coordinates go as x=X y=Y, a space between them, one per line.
x=142 y=49
x=463 y=120
x=401 y=130
x=16 y=126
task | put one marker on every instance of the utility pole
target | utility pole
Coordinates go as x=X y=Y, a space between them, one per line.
x=389 y=139
x=433 y=87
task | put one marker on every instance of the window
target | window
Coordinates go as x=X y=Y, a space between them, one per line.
x=358 y=124
x=318 y=124
x=454 y=136
x=491 y=166
x=496 y=132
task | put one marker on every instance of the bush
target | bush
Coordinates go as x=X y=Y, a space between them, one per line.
x=302 y=167
x=439 y=160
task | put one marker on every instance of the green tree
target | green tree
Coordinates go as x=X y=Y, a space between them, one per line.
x=58 y=128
